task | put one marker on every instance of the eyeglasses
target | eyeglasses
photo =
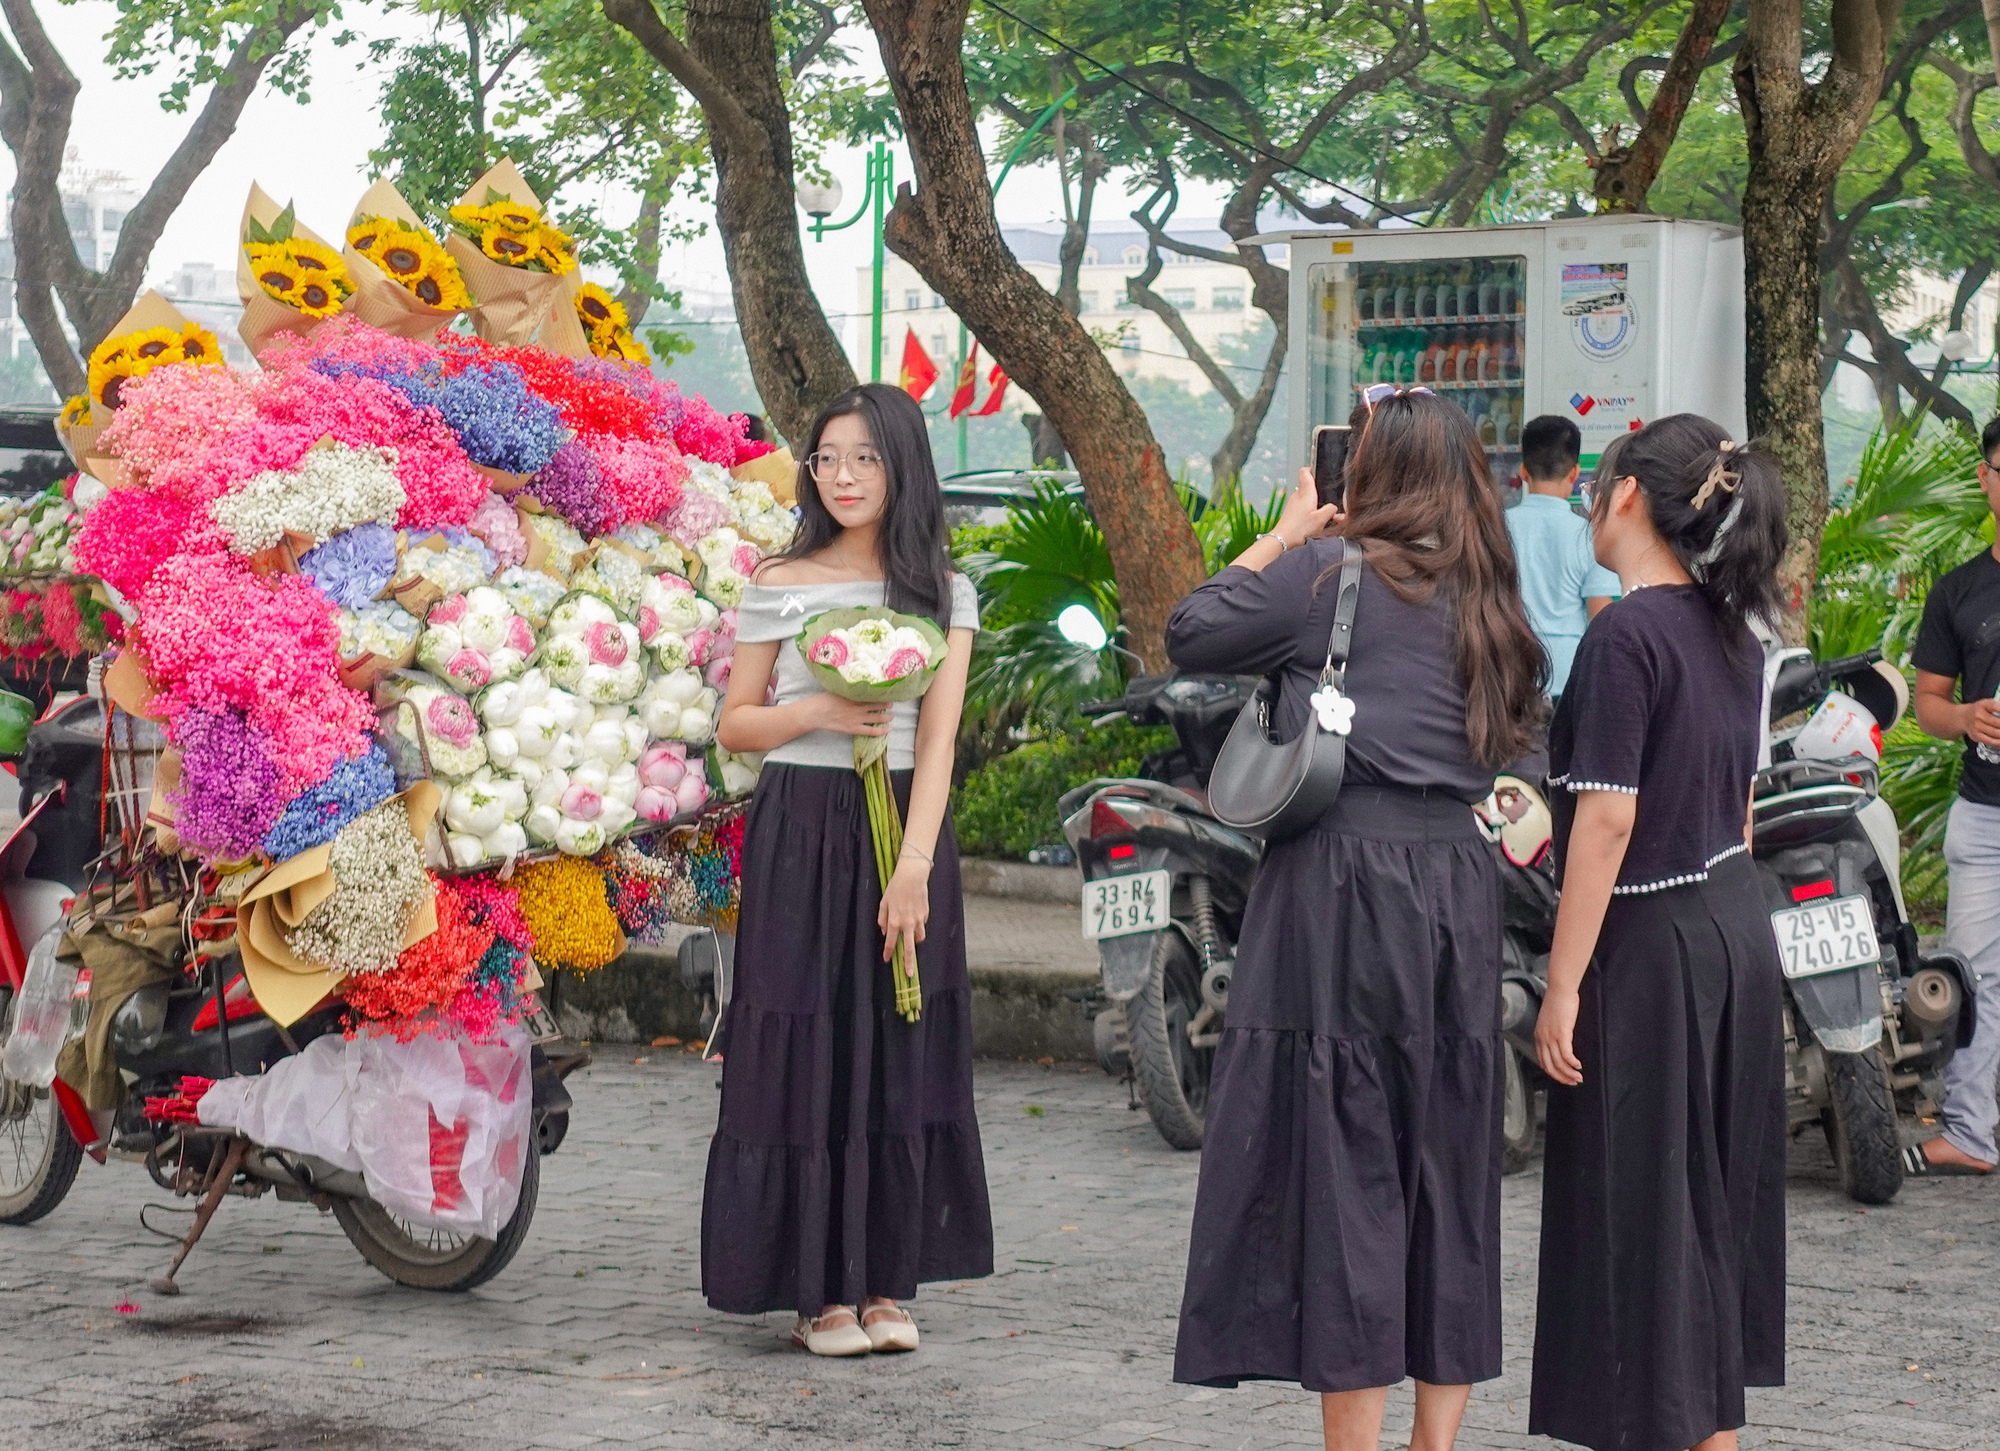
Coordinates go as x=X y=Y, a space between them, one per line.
x=1379 y=392
x=863 y=464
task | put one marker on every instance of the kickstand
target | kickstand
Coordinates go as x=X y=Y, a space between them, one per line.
x=218 y=1183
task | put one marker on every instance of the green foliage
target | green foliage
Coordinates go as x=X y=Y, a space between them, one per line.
x=1008 y=807
x=1920 y=780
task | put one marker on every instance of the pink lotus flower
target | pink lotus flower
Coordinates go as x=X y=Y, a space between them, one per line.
x=700 y=643
x=649 y=624
x=664 y=765
x=520 y=635
x=447 y=611
x=725 y=628
x=655 y=803
x=717 y=673
x=692 y=792
x=744 y=559
x=606 y=644
x=580 y=803
x=828 y=650
x=469 y=668
x=673 y=584
x=904 y=662
x=451 y=717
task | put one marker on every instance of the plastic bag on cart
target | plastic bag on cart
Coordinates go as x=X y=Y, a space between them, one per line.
x=303 y=1103
x=442 y=1128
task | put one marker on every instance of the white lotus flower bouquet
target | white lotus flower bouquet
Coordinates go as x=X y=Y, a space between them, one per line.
x=877 y=655
x=591 y=651
x=474 y=639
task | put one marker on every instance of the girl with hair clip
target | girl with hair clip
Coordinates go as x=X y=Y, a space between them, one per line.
x=846 y=1165
x=1663 y=1192
x=1347 y=1225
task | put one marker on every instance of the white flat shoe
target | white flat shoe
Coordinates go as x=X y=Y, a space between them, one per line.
x=889 y=1328
x=845 y=1337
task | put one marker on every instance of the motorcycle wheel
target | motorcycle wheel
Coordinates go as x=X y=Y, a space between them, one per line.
x=437 y=1259
x=1172 y=1073
x=1860 y=1127
x=1517 y=1117
x=39 y=1156
x=551 y=1131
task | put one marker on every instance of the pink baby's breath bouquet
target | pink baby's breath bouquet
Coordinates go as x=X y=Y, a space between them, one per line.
x=877 y=656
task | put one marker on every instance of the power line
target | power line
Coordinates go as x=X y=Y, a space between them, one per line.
x=1203 y=122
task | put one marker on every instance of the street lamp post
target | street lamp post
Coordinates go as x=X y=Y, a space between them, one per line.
x=820 y=202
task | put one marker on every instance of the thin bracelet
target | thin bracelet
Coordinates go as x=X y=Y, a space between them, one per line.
x=1283 y=543
x=919 y=851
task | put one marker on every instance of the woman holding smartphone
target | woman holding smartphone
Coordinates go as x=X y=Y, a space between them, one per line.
x=846 y=1165
x=1347 y=1226
x=1663 y=1191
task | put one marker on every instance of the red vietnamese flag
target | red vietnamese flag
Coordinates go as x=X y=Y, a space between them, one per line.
x=997 y=381
x=919 y=372
x=968 y=381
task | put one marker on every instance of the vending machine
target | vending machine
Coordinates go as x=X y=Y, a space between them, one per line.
x=1608 y=321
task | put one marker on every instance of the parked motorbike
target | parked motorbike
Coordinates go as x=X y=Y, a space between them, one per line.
x=203 y=1024
x=1164 y=887
x=1870 y=1020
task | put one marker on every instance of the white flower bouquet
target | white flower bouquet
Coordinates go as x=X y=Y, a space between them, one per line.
x=877 y=655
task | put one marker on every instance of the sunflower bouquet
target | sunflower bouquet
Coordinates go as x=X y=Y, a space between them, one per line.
x=877 y=656
x=512 y=261
x=153 y=334
x=405 y=282
x=289 y=280
x=607 y=326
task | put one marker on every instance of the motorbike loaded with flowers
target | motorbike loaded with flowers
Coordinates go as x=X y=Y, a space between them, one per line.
x=405 y=654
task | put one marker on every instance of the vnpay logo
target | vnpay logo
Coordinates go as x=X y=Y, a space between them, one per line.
x=1583 y=403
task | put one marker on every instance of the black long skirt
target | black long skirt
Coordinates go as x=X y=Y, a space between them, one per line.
x=1347 y=1224
x=847 y=1161
x=1663 y=1195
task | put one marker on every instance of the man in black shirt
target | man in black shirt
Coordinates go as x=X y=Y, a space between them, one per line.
x=1958 y=645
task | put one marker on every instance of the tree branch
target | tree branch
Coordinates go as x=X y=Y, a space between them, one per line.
x=829 y=26
x=719 y=106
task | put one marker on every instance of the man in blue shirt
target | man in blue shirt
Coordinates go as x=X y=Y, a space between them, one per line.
x=1562 y=584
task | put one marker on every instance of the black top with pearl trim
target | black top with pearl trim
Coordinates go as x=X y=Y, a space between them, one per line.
x=1660 y=706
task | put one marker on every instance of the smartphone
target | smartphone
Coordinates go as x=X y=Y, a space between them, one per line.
x=1330 y=442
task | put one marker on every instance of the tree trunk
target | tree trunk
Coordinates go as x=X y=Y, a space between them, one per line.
x=1799 y=136
x=946 y=229
x=1626 y=173
x=730 y=65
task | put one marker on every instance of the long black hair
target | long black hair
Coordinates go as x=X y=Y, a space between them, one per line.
x=1421 y=503
x=1718 y=504
x=913 y=546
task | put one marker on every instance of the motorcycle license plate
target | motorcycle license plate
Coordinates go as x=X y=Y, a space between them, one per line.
x=1120 y=906
x=1826 y=936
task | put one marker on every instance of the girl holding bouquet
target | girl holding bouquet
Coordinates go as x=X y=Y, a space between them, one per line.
x=846 y=1166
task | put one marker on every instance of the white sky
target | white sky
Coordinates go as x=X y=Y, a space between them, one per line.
x=317 y=154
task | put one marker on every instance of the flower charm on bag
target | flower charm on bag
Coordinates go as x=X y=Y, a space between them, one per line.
x=1335 y=711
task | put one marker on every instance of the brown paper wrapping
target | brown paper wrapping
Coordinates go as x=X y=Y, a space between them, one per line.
x=149 y=310
x=538 y=547
x=509 y=304
x=366 y=671
x=563 y=331
x=504 y=484
x=778 y=471
x=78 y=440
x=378 y=299
x=264 y=317
x=287 y=986
x=159 y=810
x=282 y=557
x=128 y=686
x=418 y=594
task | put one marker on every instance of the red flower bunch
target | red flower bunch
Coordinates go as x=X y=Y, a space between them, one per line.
x=427 y=976
x=588 y=404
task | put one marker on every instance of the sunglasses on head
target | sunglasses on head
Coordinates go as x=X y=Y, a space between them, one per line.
x=1378 y=392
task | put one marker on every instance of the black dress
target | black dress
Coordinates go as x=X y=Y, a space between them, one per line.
x=1663 y=1196
x=1347 y=1225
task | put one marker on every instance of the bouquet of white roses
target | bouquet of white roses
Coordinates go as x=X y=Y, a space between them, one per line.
x=877 y=656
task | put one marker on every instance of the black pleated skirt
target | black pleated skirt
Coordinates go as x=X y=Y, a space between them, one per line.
x=1663 y=1196
x=847 y=1160
x=1347 y=1225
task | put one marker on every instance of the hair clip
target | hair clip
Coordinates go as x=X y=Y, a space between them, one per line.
x=1719 y=477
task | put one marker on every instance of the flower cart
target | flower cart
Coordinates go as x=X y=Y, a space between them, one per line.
x=409 y=647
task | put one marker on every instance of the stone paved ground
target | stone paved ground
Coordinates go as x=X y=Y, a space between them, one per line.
x=597 y=1337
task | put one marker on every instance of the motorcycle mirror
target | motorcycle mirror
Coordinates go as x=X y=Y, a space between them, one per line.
x=1080 y=626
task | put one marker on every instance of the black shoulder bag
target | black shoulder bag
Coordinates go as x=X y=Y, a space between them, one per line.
x=1277 y=789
